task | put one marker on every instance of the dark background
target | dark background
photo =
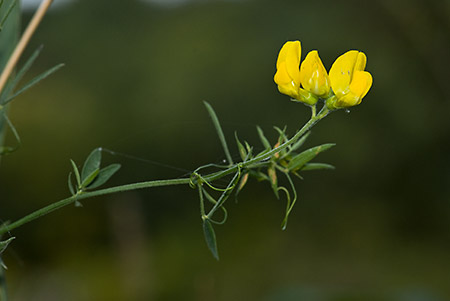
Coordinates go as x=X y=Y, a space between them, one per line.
x=376 y=228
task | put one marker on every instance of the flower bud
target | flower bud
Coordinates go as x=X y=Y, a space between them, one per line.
x=313 y=75
x=288 y=74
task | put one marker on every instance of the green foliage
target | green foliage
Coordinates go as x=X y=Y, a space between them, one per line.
x=91 y=166
x=10 y=25
x=104 y=175
x=91 y=176
x=210 y=237
x=7 y=95
x=19 y=75
x=34 y=81
x=265 y=166
x=8 y=12
x=263 y=138
x=4 y=150
x=4 y=244
x=316 y=166
x=298 y=161
x=218 y=128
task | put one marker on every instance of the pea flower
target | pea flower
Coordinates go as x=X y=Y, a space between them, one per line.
x=349 y=81
x=313 y=76
x=289 y=77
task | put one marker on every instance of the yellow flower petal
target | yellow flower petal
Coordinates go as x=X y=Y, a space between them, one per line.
x=313 y=75
x=341 y=72
x=282 y=76
x=348 y=100
x=285 y=83
x=289 y=61
x=361 y=83
x=361 y=61
x=349 y=81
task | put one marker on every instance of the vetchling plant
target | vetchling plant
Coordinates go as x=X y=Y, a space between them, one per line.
x=305 y=82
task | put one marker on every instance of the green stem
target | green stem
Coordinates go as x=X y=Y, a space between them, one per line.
x=314 y=119
x=224 y=195
x=84 y=195
x=159 y=183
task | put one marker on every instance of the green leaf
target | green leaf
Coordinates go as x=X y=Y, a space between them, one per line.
x=249 y=149
x=90 y=178
x=7 y=91
x=219 y=131
x=242 y=182
x=34 y=81
x=263 y=152
x=70 y=184
x=4 y=244
x=300 y=142
x=263 y=138
x=241 y=148
x=282 y=133
x=210 y=237
x=76 y=172
x=4 y=150
x=259 y=176
x=301 y=159
x=316 y=166
x=8 y=12
x=104 y=175
x=92 y=163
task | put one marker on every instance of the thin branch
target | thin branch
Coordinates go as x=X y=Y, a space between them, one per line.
x=62 y=203
x=158 y=183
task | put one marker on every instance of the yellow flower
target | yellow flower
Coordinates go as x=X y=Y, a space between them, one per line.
x=287 y=76
x=313 y=76
x=349 y=81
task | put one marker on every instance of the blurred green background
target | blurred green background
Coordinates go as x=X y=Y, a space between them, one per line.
x=376 y=228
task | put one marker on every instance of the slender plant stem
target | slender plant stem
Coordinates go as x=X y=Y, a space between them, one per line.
x=84 y=195
x=159 y=183
x=314 y=119
x=28 y=33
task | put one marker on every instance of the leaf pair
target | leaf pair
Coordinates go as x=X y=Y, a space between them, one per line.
x=7 y=96
x=91 y=175
x=4 y=150
x=300 y=161
x=3 y=245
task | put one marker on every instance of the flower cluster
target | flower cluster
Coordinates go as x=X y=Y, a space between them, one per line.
x=345 y=85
